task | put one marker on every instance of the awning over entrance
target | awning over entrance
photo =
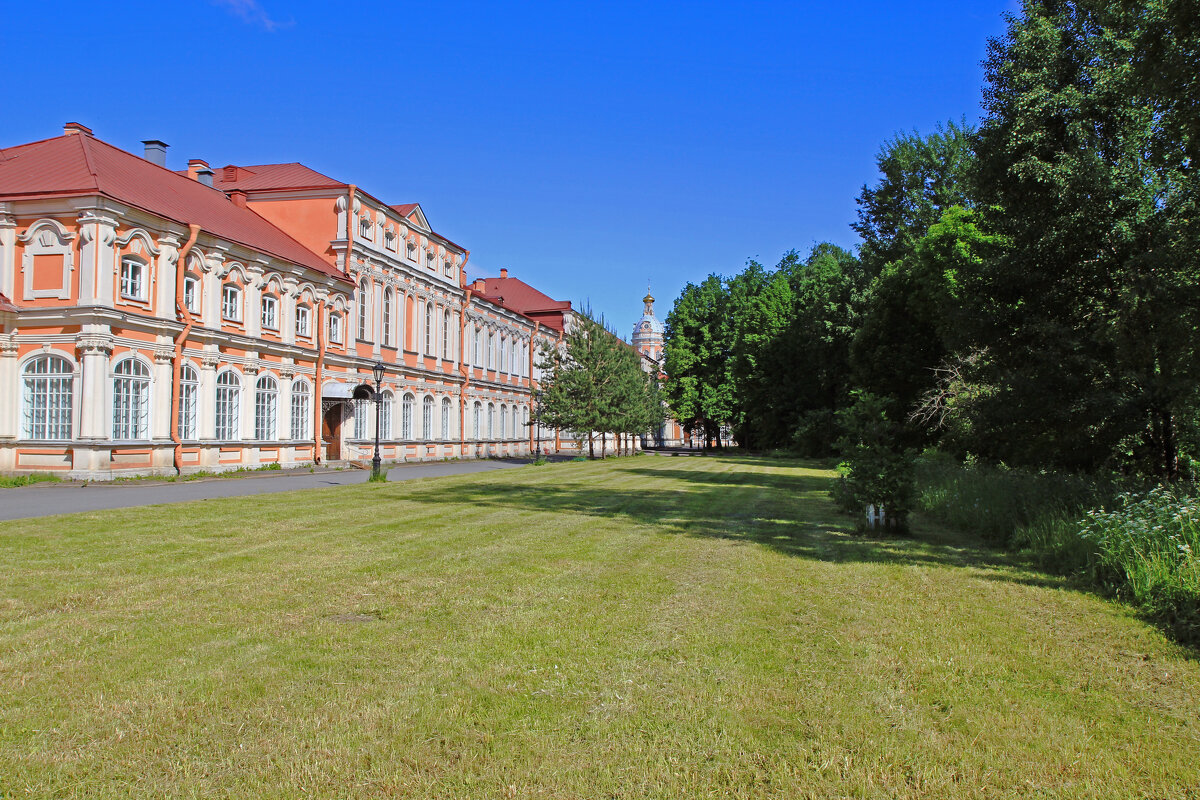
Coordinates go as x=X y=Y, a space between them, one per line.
x=340 y=390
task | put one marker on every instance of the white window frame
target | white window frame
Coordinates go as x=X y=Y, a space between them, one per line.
x=301 y=411
x=270 y=312
x=303 y=321
x=406 y=416
x=364 y=302
x=386 y=317
x=446 y=411
x=189 y=393
x=231 y=302
x=130 y=400
x=266 y=409
x=134 y=278
x=191 y=293
x=385 y=414
x=427 y=411
x=335 y=327
x=228 y=406
x=47 y=398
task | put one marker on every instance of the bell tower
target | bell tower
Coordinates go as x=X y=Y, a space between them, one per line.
x=648 y=331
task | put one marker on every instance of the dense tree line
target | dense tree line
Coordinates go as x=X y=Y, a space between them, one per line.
x=1026 y=291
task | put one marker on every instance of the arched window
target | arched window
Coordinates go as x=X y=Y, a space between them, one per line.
x=478 y=414
x=503 y=421
x=131 y=400
x=491 y=422
x=427 y=418
x=266 y=407
x=445 y=418
x=503 y=354
x=386 y=321
x=518 y=362
x=478 y=337
x=429 y=329
x=189 y=390
x=229 y=400
x=387 y=399
x=446 y=334
x=364 y=295
x=301 y=410
x=406 y=417
x=516 y=426
x=525 y=420
x=48 y=385
x=491 y=353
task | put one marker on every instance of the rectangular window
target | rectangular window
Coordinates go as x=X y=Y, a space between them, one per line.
x=387 y=317
x=231 y=303
x=187 y=406
x=270 y=319
x=300 y=412
x=302 y=321
x=191 y=294
x=133 y=273
x=335 y=328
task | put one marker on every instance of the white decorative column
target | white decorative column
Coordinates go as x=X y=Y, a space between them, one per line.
x=94 y=350
x=206 y=402
x=252 y=313
x=8 y=252
x=97 y=258
x=287 y=307
x=162 y=383
x=283 y=431
x=10 y=388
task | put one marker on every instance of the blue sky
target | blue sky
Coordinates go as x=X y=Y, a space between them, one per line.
x=588 y=147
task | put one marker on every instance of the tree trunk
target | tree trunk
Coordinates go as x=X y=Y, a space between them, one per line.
x=591 y=445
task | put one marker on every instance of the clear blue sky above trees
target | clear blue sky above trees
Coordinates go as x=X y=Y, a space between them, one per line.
x=587 y=147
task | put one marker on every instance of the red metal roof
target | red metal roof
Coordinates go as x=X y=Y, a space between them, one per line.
x=517 y=295
x=273 y=176
x=79 y=164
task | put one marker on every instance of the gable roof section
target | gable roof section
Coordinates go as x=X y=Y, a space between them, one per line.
x=517 y=295
x=258 y=177
x=79 y=164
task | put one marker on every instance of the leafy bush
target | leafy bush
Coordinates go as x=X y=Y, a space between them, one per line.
x=13 y=481
x=876 y=470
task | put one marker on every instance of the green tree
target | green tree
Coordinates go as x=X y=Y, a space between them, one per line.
x=700 y=386
x=1087 y=154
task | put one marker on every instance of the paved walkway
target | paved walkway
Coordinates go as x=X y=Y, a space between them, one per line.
x=45 y=499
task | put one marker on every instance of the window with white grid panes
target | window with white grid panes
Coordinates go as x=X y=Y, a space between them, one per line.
x=503 y=421
x=446 y=334
x=364 y=299
x=231 y=302
x=47 y=395
x=477 y=415
x=131 y=400
x=189 y=390
x=335 y=328
x=270 y=312
x=386 y=320
x=429 y=329
x=491 y=421
x=191 y=293
x=301 y=410
x=427 y=418
x=406 y=417
x=228 y=406
x=303 y=321
x=133 y=279
x=266 y=408
x=445 y=418
x=385 y=415
x=362 y=412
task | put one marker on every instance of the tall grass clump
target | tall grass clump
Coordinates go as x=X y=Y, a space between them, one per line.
x=1147 y=550
x=997 y=501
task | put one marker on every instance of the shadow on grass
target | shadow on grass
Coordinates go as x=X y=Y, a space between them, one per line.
x=788 y=513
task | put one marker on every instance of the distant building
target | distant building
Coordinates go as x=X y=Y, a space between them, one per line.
x=648 y=340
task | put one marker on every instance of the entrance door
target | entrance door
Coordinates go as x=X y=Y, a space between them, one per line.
x=331 y=431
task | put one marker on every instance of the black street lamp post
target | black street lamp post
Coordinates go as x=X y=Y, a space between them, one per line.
x=377 y=372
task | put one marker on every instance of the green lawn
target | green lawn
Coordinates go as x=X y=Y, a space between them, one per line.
x=647 y=627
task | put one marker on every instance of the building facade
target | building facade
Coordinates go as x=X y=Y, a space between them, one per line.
x=154 y=321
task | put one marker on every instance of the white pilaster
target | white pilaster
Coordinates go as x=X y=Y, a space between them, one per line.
x=97 y=258
x=10 y=387
x=8 y=252
x=160 y=404
x=94 y=348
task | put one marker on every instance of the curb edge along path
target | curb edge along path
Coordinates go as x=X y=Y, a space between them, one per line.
x=48 y=499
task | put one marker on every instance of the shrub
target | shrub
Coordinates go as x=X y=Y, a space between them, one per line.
x=876 y=471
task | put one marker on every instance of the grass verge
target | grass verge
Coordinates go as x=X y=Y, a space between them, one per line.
x=628 y=628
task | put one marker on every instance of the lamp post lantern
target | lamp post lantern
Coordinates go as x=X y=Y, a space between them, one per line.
x=377 y=372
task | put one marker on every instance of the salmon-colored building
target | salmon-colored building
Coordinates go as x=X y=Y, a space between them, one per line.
x=154 y=321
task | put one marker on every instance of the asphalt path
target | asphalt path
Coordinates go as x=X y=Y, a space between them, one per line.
x=46 y=499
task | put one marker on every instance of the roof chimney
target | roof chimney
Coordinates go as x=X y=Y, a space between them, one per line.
x=194 y=167
x=156 y=151
x=205 y=176
x=479 y=285
x=238 y=197
x=72 y=128
x=504 y=272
